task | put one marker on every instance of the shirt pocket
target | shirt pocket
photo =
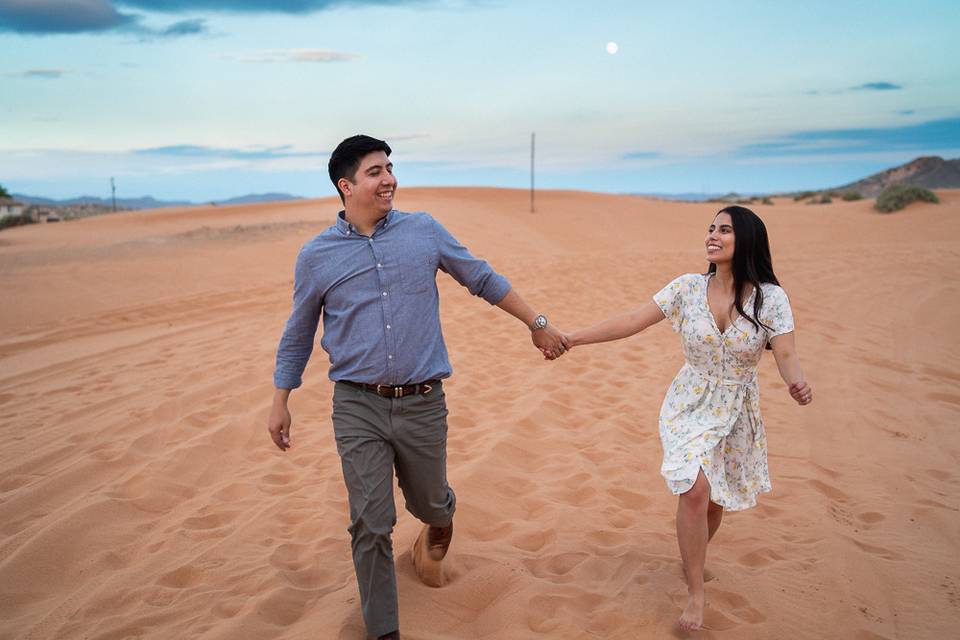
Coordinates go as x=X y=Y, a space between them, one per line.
x=418 y=270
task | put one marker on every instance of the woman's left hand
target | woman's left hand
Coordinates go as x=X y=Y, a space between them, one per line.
x=801 y=392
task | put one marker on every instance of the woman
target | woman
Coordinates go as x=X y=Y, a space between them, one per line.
x=714 y=448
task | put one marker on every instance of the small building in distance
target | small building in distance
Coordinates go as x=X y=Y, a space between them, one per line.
x=10 y=207
x=43 y=214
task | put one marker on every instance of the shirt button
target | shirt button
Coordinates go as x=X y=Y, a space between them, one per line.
x=384 y=293
x=371 y=240
x=388 y=326
x=389 y=357
x=379 y=266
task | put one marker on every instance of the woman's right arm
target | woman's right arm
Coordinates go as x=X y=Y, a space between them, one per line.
x=617 y=327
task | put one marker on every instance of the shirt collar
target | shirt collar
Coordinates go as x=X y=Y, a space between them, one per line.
x=348 y=229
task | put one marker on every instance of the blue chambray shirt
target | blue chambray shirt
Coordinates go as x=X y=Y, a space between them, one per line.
x=378 y=295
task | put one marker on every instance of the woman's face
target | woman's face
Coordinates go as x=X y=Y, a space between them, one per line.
x=720 y=239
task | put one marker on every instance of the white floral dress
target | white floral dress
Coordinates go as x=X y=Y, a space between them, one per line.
x=710 y=418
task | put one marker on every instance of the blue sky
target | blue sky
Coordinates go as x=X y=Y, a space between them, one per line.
x=208 y=99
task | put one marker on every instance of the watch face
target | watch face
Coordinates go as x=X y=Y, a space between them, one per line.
x=540 y=321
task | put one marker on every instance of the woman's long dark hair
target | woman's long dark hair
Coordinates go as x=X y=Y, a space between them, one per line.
x=751 y=259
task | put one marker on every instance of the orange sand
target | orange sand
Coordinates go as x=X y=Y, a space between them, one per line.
x=140 y=495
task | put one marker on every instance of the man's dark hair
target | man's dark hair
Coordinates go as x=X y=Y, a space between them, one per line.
x=347 y=156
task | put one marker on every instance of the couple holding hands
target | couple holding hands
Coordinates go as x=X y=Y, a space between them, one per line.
x=371 y=277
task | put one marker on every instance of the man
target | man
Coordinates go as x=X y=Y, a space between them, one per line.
x=372 y=276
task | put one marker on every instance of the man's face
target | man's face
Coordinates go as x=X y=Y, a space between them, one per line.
x=373 y=186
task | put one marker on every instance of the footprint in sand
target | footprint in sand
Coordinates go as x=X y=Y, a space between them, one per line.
x=939 y=474
x=284 y=605
x=300 y=568
x=760 y=558
x=737 y=606
x=227 y=608
x=543 y=613
x=829 y=490
x=555 y=566
x=181 y=578
x=620 y=519
x=606 y=541
x=210 y=521
x=937 y=505
x=881 y=552
x=533 y=540
x=629 y=499
x=840 y=514
x=871 y=517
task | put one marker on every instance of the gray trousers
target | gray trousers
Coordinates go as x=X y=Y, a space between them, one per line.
x=375 y=435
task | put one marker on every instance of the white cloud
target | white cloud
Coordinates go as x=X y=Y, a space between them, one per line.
x=291 y=55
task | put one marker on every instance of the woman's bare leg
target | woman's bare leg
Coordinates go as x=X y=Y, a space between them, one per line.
x=714 y=517
x=693 y=534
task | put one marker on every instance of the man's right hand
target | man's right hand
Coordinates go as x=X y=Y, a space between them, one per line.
x=279 y=424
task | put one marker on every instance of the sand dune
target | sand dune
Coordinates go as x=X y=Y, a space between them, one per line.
x=140 y=496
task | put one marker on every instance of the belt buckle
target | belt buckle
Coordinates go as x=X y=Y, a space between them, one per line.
x=395 y=392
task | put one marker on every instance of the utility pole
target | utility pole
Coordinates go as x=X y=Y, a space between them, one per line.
x=113 y=189
x=533 y=140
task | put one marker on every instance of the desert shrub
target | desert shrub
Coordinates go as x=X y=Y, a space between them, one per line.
x=825 y=199
x=766 y=200
x=850 y=196
x=804 y=195
x=900 y=195
x=15 y=221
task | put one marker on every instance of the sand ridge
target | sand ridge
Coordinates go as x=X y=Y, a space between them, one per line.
x=140 y=495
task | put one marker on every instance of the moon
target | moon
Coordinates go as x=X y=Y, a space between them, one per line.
x=612 y=48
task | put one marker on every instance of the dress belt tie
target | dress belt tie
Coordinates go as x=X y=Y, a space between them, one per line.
x=749 y=384
x=719 y=380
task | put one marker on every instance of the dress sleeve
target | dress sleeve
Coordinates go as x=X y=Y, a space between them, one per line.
x=670 y=301
x=776 y=312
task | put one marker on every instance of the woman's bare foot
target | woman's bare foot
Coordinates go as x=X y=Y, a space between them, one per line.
x=692 y=617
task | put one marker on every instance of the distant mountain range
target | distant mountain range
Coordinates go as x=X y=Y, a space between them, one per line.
x=147 y=202
x=932 y=172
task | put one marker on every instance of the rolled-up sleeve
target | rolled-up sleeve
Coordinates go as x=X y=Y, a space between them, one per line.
x=296 y=345
x=473 y=273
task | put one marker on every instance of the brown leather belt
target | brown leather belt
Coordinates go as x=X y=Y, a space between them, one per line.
x=398 y=391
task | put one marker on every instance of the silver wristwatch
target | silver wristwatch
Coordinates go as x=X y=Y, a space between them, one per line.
x=539 y=322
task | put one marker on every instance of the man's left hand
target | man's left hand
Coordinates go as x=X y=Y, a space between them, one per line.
x=550 y=341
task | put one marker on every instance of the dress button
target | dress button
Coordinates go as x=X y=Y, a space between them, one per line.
x=390 y=357
x=384 y=293
x=388 y=326
x=379 y=266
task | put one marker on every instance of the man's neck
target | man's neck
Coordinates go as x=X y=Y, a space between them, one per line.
x=364 y=222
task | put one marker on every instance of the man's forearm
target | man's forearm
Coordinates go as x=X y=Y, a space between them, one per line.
x=516 y=306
